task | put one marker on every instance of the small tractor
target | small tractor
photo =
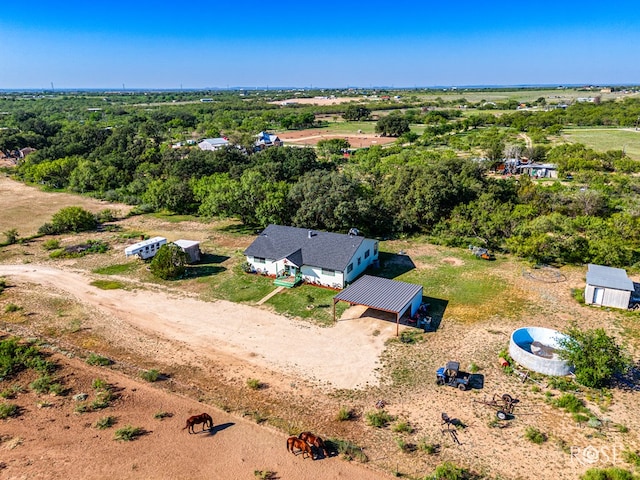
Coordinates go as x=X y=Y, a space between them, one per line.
x=451 y=375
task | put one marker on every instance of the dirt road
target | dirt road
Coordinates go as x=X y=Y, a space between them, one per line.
x=222 y=329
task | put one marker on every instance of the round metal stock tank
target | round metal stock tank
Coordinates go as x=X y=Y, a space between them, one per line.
x=536 y=348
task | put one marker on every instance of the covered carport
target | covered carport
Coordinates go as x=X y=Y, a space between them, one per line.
x=382 y=294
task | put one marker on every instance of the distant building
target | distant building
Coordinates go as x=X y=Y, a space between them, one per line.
x=539 y=170
x=266 y=140
x=213 y=143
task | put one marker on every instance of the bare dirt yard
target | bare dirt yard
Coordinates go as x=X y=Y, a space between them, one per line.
x=313 y=136
x=208 y=350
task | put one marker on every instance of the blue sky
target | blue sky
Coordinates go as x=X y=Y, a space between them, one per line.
x=199 y=44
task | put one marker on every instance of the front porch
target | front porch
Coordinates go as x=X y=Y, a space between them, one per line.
x=288 y=281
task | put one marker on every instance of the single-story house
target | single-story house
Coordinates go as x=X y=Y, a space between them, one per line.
x=312 y=256
x=608 y=287
x=191 y=248
x=265 y=140
x=213 y=143
x=539 y=170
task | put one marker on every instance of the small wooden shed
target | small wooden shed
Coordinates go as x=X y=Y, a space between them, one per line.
x=608 y=287
x=191 y=248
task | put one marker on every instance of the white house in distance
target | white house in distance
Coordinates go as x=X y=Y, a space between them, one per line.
x=146 y=248
x=213 y=144
x=608 y=287
x=322 y=258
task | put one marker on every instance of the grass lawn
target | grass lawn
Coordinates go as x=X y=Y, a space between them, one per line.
x=604 y=139
x=117 y=269
x=308 y=301
x=107 y=284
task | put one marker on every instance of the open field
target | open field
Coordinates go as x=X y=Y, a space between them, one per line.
x=356 y=140
x=550 y=95
x=604 y=139
x=208 y=348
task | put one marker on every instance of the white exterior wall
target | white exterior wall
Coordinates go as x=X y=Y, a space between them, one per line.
x=611 y=298
x=315 y=275
x=269 y=266
x=367 y=244
x=145 y=249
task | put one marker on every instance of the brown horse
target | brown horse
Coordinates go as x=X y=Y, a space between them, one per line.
x=204 y=418
x=301 y=445
x=314 y=441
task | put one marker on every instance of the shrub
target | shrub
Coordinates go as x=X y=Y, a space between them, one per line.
x=570 y=403
x=378 y=419
x=162 y=415
x=8 y=410
x=100 y=384
x=73 y=219
x=631 y=457
x=95 y=359
x=344 y=414
x=169 y=263
x=473 y=368
x=449 y=471
x=348 y=450
x=11 y=236
x=12 y=307
x=595 y=355
x=15 y=357
x=150 y=375
x=103 y=400
x=105 y=422
x=612 y=473
x=534 y=435
x=264 y=474
x=106 y=215
x=254 y=384
x=402 y=427
x=45 y=384
x=428 y=447
x=3 y=284
x=51 y=244
x=128 y=433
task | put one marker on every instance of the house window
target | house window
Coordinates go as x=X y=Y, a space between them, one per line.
x=258 y=260
x=375 y=248
x=366 y=254
x=359 y=261
x=329 y=273
x=349 y=268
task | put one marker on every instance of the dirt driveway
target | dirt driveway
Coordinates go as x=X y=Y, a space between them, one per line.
x=224 y=329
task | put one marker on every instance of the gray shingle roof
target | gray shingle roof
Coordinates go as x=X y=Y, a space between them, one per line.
x=333 y=251
x=380 y=293
x=608 y=277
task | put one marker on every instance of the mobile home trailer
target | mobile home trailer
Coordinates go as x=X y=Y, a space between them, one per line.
x=146 y=248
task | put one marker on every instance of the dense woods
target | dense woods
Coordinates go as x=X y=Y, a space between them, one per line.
x=441 y=184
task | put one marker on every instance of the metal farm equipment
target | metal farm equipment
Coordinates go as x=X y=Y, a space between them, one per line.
x=482 y=253
x=504 y=405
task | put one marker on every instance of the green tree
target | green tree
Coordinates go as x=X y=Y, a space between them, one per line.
x=612 y=473
x=392 y=125
x=73 y=219
x=595 y=355
x=332 y=146
x=169 y=263
x=354 y=113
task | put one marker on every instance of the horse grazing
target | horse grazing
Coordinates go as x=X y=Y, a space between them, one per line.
x=314 y=441
x=301 y=445
x=204 y=418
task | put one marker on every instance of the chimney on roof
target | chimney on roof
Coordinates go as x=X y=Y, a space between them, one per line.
x=310 y=233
